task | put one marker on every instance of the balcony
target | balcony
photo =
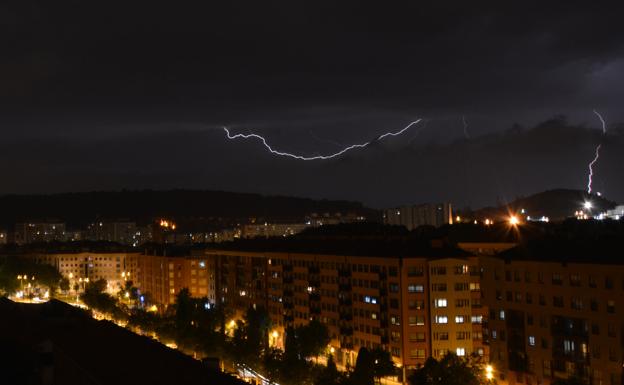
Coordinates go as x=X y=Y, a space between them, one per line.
x=344 y=287
x=346 y=330
x=344 y=273
x=346 y=316
x=345 y=301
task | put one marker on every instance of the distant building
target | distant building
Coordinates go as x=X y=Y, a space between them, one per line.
x=114 y=267
x=267 y=230
x=31 y=232
x=419 y=215
x=124 y=232
x=324 y=219
x=617 y=213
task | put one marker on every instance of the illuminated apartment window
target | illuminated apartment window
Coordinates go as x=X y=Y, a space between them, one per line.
x=477 y=319
x=459 y=319
x=501 y=315
x=531 y=340
x=415 y=288
x=460 y=352
x=440 y=302
x=441 y=319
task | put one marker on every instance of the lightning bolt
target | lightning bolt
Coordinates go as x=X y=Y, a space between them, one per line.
x=318 y=157
x=465 y=127
x=597 y=155
x=591 y=169
x=604 y=125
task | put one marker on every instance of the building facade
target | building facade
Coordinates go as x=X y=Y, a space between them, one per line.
x=83 y=267
x=419 y=215
x=32 y=232
x=535 y=320
x=162 y=277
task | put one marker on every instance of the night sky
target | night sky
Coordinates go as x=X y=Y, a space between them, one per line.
x=132 y=94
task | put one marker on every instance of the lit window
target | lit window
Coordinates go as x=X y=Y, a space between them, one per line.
x=477 y=319
x=459 y=319
x=501 y=315
x=532 y=340
x=460 y=352
x=441 y=319
x=367 y=299
x=440 y=302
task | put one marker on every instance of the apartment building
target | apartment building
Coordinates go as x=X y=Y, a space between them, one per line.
x=535 y=317
x=553 y=319
x=33 y=232
x=162 y=277
x=81 y=267
x=438 y=214
x=405 y=305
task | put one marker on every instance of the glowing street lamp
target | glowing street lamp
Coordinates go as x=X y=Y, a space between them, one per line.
x=513 y=220
x=489 y=372
x=587 y=205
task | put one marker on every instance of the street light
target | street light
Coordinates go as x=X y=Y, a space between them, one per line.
x=489 y=372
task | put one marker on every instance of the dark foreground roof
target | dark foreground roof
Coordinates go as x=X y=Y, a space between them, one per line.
x=603 y=250
x=87 y=351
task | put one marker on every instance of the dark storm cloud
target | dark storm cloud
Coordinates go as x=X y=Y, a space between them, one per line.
x=79 y=77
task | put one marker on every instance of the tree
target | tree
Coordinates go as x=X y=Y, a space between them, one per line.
x=383 y=364
x=313 y=339
x=329 y=375
x=363 y=373
x=450 y=370
x=64 y=284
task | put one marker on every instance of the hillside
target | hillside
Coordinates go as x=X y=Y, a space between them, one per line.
x=555 y=204
x=78 y=209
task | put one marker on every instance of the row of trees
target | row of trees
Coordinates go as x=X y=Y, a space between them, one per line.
x=44 y=275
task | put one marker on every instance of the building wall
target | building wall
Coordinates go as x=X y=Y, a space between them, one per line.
x=535 y=321
x=419 y=215
x=38 y=232
x=364 y=301
x=549 y=320
x=163 y=277
x=113 y=267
